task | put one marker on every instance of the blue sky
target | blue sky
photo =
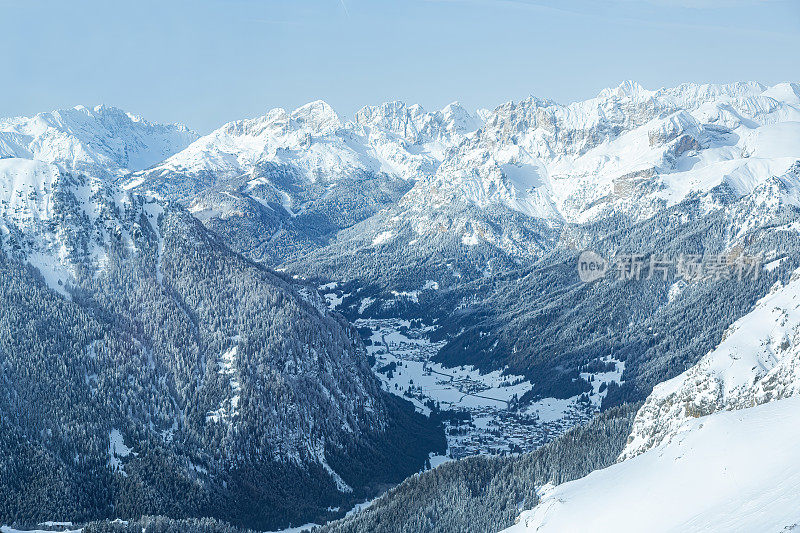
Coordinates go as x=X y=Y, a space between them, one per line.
x=206 y=62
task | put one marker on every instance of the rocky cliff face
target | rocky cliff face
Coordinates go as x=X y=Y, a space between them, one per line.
x=758 y=361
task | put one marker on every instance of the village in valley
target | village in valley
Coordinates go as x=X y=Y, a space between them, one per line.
x=482 y=413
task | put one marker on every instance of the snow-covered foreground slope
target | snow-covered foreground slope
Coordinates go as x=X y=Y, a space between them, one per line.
x=713 y=449
x=731 y=471
x=758 y=361
x=103 y=139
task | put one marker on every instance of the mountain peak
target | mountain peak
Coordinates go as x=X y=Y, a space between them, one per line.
x=458 y=119
x=382 y=113
x=318 y=116
x=103 y=138
x=626 y=89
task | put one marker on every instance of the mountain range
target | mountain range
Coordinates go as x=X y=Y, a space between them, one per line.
x=190 y=323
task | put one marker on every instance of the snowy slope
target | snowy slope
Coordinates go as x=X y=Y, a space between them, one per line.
x=25 y=187
x=758 y=361
x=731 y=471
x=712 y=449
x=57 y=211
x=102 y=139
x=628 y=150
x=59 y=221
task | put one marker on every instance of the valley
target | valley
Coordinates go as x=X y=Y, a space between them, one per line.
x=178 y=291
x=481 y=412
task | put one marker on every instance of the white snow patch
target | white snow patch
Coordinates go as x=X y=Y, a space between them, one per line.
x=410 y=295
x=772 y=265
x=229 y=408
x=382 y=238
x=55 y=274
x=298 y=529
x=366 y=302
x=154 y=210
x=60 y=527
x=470 y=239
x=730 y=471
x=341 y=486
x=117 y=450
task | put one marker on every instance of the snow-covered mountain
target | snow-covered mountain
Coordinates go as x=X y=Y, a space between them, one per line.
x=653 y=148
x=137 y=338
x=62 y=223
x=102 y=140
x=730 y=471
x=313 y=141
x=710 y=448
x=286 y=182
x=757 y=362
x=627 y=152
x=466 y=223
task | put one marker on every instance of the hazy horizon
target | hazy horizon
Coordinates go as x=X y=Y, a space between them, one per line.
x=208 y=63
